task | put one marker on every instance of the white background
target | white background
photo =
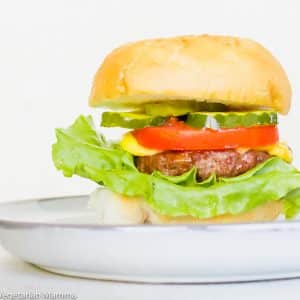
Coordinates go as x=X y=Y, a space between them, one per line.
x=50 y=50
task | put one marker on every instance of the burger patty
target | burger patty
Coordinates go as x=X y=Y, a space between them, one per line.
x=228 y=163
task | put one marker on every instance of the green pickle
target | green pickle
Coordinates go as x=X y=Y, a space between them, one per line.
x=216 y=120
x=130 y=120
x=193 y=113
x=180 y=108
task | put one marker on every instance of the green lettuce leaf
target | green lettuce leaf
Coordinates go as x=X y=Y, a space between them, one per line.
x=292 y=204
x=188 y=178
x=80 y=150
x=271 y=165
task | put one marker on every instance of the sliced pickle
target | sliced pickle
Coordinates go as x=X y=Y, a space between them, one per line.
x=180 y=108
x=216 y=120
x=130 y=120
x=213 y=120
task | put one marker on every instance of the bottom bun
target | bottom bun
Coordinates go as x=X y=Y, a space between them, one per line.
x=112 y=208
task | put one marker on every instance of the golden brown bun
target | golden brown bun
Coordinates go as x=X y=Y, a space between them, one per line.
x=112 y=208
x=234 y=71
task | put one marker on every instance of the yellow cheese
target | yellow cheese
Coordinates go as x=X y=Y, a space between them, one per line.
x=279 y=149
x=131 y=145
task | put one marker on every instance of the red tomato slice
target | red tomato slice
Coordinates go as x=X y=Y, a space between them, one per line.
x=178 y=136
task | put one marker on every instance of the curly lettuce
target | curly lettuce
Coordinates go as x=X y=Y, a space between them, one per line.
x=81 y=151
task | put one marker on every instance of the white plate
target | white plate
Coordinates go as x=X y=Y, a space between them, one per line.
x=61 y=235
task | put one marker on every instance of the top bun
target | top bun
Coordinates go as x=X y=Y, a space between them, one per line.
x=229 y=70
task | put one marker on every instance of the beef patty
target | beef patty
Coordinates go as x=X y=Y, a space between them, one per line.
x=228 y=163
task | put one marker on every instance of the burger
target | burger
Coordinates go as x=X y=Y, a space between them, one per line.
x=201 y=142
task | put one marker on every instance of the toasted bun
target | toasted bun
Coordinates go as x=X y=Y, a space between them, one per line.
x=112 y=208
x=233 y=71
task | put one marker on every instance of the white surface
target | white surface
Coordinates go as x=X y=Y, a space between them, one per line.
x=50 y=50
x=182 y=253
x=16 y=276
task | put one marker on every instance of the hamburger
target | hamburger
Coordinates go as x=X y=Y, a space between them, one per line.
x=201 y=142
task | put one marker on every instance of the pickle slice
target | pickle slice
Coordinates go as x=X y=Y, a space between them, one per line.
x=180 y=108
x=130 y=120
x=216 y=120
x=213 y=120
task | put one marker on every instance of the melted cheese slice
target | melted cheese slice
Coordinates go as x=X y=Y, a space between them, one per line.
x=131 y=145
x=279 y=149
